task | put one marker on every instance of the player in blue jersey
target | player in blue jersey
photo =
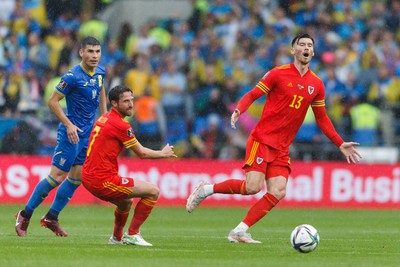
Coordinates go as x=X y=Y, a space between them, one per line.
x=83 y=89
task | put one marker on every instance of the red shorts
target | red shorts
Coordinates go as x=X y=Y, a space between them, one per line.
x=266 y=159
x=114 y=188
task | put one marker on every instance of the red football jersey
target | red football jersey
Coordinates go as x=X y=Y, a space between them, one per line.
x=289 y=96
x=109 y=135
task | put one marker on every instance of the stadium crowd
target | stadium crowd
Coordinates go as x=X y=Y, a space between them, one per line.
x=188 y=73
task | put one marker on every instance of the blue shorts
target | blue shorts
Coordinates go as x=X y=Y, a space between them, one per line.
x=67 y=154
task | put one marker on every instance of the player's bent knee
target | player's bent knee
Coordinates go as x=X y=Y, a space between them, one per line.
x=251 y=190
x=279 y=194
x=154 y=192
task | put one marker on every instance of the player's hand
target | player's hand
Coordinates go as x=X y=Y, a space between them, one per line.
x=351 y=154
x=234 y=118
x=72 y=132
x=168 y=151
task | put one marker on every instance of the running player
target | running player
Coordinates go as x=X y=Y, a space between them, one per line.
x=110 y=134
x=83 y=89
x=290 y=90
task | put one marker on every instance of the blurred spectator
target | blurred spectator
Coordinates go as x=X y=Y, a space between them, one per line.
x=211 y=140
x=38 y=54
x=126 y=39
x=335 y=91
x=365 y=120
x=385 y=94
x=141 y=76
x=114 y=74
x=67 y=22
x=96 y=28
x=172 y=84
x=30 y=98
x=11 y=94
x=68 y=51
x=111 y=54
x=6 y=9
x=150 y=129
x=220 y=9
x=55 y=8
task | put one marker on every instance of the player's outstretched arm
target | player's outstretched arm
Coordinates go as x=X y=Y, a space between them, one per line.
x=351 y=154
x=244 y=104
x=147 y=153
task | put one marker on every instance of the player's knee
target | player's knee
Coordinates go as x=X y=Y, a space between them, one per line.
x=252 y=189
x=154 y=192
x=278 y=193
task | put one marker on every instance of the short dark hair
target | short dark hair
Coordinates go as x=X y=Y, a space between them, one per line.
x=116 y=92
x=90 y=40
x=300 y=36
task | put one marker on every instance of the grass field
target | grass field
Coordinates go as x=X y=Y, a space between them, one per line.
x=348 y=238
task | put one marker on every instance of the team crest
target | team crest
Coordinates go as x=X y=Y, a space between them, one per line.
x=310 y=89
x=94 y=93
x=62 y=161
x=130 y=132
x=259 y=160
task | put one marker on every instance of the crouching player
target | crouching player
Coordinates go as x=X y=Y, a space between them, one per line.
x=110 y=134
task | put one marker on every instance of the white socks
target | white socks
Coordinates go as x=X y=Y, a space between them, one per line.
x=242 y=227
x=208 y=189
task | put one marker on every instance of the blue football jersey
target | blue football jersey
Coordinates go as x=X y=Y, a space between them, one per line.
x=82 y=95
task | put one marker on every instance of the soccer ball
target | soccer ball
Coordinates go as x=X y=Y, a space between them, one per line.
x=304 y=238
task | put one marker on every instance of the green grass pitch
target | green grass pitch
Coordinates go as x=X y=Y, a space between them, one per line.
x=348 y=238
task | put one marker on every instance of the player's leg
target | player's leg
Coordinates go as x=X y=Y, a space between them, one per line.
x=275 y=171
x=148 y=193
x=65 y=192
x=254 y=162
x=276 y=189
x=75 y=155
x=121 y=214
x=39 y=193
x=51 y=222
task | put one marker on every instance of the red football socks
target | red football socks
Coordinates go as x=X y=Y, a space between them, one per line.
x=260 y=209
x=142 y=211
x=120 y=218
x=231 y=186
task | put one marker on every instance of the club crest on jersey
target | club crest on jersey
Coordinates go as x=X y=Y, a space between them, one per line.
x=130 y=132
x=310 y=89
x=259 y=160
x=94 y=93
x=62 y=161
x=61 y=85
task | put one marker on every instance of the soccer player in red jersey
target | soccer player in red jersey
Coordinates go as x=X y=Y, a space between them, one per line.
x=290 y=90
x=110 y=134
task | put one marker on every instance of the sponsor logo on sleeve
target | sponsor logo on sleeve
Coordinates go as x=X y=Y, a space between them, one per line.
x=130 y=132
x=61 y=85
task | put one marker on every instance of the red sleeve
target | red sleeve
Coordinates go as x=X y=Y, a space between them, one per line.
x=249 y=98
x=326 y=126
